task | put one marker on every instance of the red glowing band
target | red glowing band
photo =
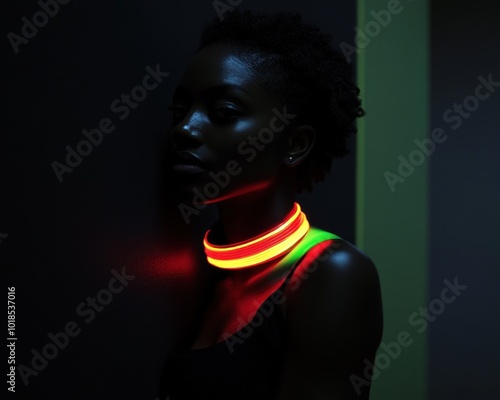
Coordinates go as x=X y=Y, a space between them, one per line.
x=265 y=247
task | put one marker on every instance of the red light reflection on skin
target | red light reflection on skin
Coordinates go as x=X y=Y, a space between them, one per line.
x=243 y=303
x=307 y=266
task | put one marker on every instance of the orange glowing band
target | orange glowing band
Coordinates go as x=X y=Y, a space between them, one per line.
x=265 y=247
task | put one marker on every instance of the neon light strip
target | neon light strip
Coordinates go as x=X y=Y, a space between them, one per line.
x=265 y=247
x=236 y=251
x=267 y=254
x=291 y=218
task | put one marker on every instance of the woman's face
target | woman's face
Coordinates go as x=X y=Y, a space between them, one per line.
x=228 y=131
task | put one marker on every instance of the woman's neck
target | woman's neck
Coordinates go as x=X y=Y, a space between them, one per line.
x=248 y=216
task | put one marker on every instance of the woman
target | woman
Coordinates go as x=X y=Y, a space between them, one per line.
x=263 y=107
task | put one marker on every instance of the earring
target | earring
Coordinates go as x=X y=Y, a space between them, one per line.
x=290 y=159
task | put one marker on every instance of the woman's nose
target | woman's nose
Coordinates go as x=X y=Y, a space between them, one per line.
x=188 y=132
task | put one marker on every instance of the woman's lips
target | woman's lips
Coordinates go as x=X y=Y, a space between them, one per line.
x=188 y=163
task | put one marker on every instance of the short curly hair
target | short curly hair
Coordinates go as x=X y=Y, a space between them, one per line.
x=300 y=65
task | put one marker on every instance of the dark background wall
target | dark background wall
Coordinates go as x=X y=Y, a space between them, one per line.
x=62 y=243
x=464 y=197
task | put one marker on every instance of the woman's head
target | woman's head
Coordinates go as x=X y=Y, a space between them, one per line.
x=294 y=102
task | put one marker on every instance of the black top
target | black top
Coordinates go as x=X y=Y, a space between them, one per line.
x=245 y=366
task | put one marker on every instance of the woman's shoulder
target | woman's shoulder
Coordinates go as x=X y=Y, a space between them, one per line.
x=333 y=319
x=341 y=259
x=336 y=285
x=335 y=258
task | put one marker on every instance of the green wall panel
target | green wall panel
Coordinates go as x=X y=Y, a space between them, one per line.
x=392 y=182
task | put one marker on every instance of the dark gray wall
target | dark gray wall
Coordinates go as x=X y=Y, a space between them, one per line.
x=62 y=241
x=464 y=197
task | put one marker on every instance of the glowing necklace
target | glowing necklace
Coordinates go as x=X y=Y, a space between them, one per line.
x=265 y=247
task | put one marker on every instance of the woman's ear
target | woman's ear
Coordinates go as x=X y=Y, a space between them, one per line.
x=300 y=142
